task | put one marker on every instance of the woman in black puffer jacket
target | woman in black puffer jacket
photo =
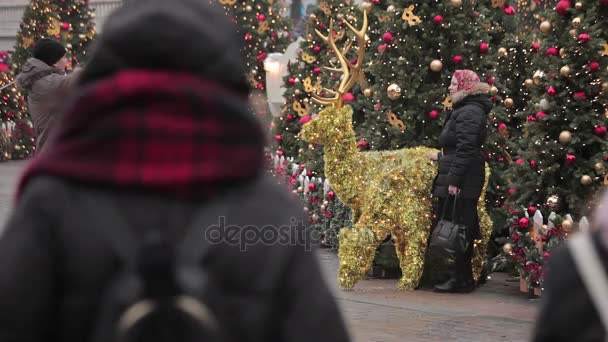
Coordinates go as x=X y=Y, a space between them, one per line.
x=462 y=166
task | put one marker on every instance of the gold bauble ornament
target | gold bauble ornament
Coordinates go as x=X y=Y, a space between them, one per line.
x=315 y=218
x=567 y=225
x=300 y=189
x=507 y=248
x=565 y=71
x=456 y=3
x=391 y=8
x=562 y=52
x=436 y=65
x=545 y=26
x=553 y=202
x=576 y=22
x=508 y=102
x=393 y=91
x=528 y=83
x=366 y=6
x=605 y=87
x=578 y=5
x=565 y=137
x=538 y=77
x=493 y=90
x=368 y=92
x=586 y=180
x=599 y=167
x=502 y=51
x=573 y=33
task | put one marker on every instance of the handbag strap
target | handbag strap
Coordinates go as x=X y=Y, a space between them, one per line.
x=445 y=206
x=590 y=268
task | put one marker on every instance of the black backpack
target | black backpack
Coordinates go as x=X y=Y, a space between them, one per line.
x=162 y=292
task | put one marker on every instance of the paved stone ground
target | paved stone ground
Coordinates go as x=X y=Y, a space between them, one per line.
x=377 y=312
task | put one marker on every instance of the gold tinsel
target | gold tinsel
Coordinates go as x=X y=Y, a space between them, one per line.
x=388 y=192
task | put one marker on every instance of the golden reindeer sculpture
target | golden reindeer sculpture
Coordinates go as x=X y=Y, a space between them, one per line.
x=387 y=191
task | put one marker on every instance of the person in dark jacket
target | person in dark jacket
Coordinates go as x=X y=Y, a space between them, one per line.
x=461 y=166
x=159 y=128
x=568 y=311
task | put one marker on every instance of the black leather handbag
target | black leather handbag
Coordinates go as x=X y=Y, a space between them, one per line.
x=449 y=238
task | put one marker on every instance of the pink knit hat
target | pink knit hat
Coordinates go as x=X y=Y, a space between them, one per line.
x=467 y=79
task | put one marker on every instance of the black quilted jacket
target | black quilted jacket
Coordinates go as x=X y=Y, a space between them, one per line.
x=461 y=162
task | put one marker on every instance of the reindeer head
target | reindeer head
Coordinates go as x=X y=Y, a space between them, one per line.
x=335 y=120
x=330 y=123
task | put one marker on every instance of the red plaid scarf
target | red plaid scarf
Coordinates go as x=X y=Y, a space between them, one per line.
x=166 y=132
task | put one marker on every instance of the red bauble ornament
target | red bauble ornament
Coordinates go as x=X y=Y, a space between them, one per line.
x=509 y=10
x=387 y=38
x=316 y=70
x=552 y=51
x=316 y=49
x=312 y=187
x=540 y=115
x=261 y=56
x=248 y=36
x=491 y=80
x=580 y=95
x=280 y=153
x=600 y=131
x=501 y=159
x=484 y=48
x=531 y=118
x=562 y=7
x=331 y=195
x=531 y=210
x=305 y=119
x=376 y=2
x=278 y=137
x=551 y=91
x=502 y=127
x=570 y=159
x=438 y=19
x=349 y=97
x=382 y=47
x=457 y=59
x=65 y=26
x=290 y=117
x=535 y=47
x=260 y=86
x=362 y=144
x=291 y=81
x=309 y=173
x=4 y=67
x=261 y=17
x=519 y=161
x=533 y=164
x=377 y=107
x=583 y=38
x=594 y=66
x=547 y=255
x=274 y=36
x=523 y=223
x=434 y=114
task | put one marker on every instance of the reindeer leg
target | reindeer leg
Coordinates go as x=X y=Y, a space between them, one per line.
x=356 y=252
x=410 y=243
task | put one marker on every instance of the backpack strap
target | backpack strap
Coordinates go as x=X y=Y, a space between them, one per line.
x=589 y=266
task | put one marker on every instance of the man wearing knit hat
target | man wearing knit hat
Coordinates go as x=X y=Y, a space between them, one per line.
x=44 y=78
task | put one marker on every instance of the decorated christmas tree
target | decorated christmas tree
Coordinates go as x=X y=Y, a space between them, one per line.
x=69 y=21
x=423 y=43
x=265 y=30
x=561 y=163
x=17 y=138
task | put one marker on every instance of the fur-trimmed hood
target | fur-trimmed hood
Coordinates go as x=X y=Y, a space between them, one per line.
x=479 y=88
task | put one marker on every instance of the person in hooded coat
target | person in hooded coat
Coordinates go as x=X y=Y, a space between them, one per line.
x=461 y=166
x=44 y=78
x=158 y=128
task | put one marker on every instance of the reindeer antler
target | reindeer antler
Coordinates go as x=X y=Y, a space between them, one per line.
x=351 y=73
